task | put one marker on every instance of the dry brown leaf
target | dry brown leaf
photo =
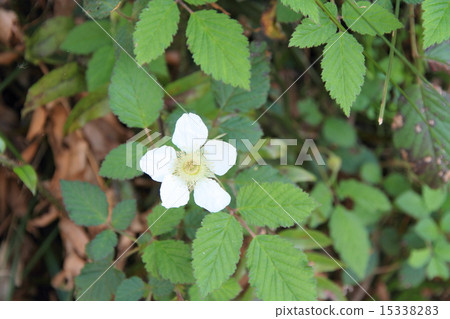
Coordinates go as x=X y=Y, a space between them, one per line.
x=10 y=32
x=74 y=237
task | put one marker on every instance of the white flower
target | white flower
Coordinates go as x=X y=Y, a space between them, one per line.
x=192 y=168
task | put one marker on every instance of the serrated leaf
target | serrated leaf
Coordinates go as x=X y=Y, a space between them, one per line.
x=216 y=250
x=105 y=285
x=102 y=245
x=163 y=220
x=92 y=106
x=238 y=128
x=343 y=69
x=279 y=271
x=436 y=21
x=377 y=17
x=259 y=208
x=192 y=221
x=86 y=203
x=120 y=163
x=170 y=259
x=219 y=47
x=155 y=29
x=229 y=290
x=310 y=34
x=87 y=37
x=123 y=214
x=61 y=82
x=305 y=239
x=100 y=68
x=365 y=196
x=434 y=198
x=351 y=240
x=307 y=7
x=162 y=289
x=264 y=173
x=28 y=176
x=231 y=98
x=424 y=138
x=131 y=289
x=199 y=2
x=99 y=9
x=412 y=204
x=134 y=97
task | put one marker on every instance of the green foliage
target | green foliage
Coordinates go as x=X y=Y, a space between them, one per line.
x=100 y=68
x=214 y=34
x=229 y=290
x=131 y=289
x=351 y=240
x=87 y=37
x=121 y=163
x=163 y=220
x=275 y=258
x=157 y=25
x=216 y=251
x=427 y=229
x=238 y=128
x=134 y=96
x=85 y=202
x=28 y=176
x=199 y=2
x=99 y=9
x=339 y=132
x=306 y=238
x=123 y=214
x=307 y=7
x=436 y=21
x=274 y=204
x=102 y=245
x=434 y=198
x=366 y=197
x=343 y=69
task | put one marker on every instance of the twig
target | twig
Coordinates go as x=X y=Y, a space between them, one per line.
x=184 y=5
x=241 y=221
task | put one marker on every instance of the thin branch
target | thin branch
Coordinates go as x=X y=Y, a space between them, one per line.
x=184 y=5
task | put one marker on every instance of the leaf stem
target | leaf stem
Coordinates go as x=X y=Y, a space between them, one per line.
x=241 y=221
x=184 y=5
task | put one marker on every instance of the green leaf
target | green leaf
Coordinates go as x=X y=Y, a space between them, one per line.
x=437 y=268
x=395 y=184
x=442 y=248
x=94 y=284
x=169 y=259
x=427 y=229
x=365 y=196
x=155 y=29
x=238 y=128
x=45 y=42
x=216 y=251
x=436 y=21
x=322 y=263
x=28 y=176
x=229 y=290
x=279 y=271
x=371 y=172
x=285 y=204
x=434 y=198
x=123 y=214
x=192 y=221
x=445 y=223
x=163 y=220
x=2 y=145
x=377 y=17
x=305 y=239
x=351 y=240
x=134 y=97
x=323 y=195
x=99 y=9
x=260 y=173
x=307 y=7
x=419 y=257
x=424 y=135
x=102 y=245
x=162 y=289
x=326 y=287
x=412 y=204
x=131 y=289
x=87 y=38
x=231 y=98
x=219 y=47
x=92 y=106
x=61 y=82
x=100 y=68
x=199 y=2
x=285 y=14
x=86 y=203
x=310 y=34
x=339 y=132
x=120 y=163
x=343 y=69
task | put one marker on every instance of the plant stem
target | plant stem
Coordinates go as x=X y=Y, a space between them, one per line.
x=184 y=5
x=241 y=221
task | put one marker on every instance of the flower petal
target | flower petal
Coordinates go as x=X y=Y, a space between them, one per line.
x=158 y=162
x=209 y=195
x=221 y=156
x=174 y=192
x=190 y=133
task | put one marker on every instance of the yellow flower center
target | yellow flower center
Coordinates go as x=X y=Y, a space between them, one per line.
x=191 y=168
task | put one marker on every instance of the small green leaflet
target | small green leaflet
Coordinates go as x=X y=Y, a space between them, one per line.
x=377 y=17
x=427 y=229
x=412 y=204
x=310 y=34
x=155 y=29
x=231 y=98
x=239 y=128
x=260 y=173
x=229 y=290
x=216 y=251
x=365 y=196
x=419 y=257
x=285 y=206
x=434 y=198
x=339 y=132
x=134 y=96
x=219 y=47
x=351 y=240
x=87 y=37
x=102 y=245
x=279 y=271
x=100 y=67
x=170 y=259
x=307 y=7
x=86 y=203
x=343 y=69
x=163 y=220
x=99 y=9
x=123 y=214
x=28 y=176
x=121 y=163
x=436 y=21
x=131 y=289
x=104 y=287
x=199 y=2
